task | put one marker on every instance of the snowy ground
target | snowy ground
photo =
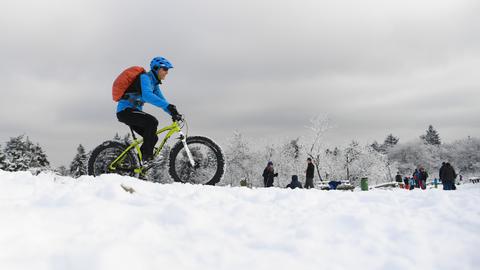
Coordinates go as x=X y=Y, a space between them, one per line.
x=51 y=222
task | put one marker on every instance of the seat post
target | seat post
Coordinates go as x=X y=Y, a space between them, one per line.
x=133 y=134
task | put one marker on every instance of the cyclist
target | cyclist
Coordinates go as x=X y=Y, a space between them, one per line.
x=146 y=90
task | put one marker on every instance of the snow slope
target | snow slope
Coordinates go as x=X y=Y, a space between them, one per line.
x=52 y=222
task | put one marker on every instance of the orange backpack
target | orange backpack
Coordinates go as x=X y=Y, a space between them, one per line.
x=124 y=80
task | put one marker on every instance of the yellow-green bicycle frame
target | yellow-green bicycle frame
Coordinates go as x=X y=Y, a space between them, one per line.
x=172 y=129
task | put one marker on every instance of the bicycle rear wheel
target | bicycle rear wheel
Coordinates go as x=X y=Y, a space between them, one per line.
x=209 y=162
x=103 y=155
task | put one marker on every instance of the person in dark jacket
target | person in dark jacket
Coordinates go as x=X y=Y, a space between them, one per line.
x=295 y=183
x=448 y=175
x=268 y=175
x=310 y=173
x=398 y=177
x=422 y=178
x=440 y=174
x=415 y=176
x=406 y=182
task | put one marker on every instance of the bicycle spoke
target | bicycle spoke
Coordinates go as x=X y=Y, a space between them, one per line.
x=205 y=164
x=107 y=156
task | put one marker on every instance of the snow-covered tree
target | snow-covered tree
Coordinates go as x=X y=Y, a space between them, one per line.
x=62 y=170
x=3 y=160
x=289 y=160
x=378 y=147
x=78 y=166
x=38 y=157
x=15 y=151
x=390 y=141
x=126 y=138
x=371 y=164
x=269 y=152
x=356 y=161
x=242 y=162
x=431 y=137
x=463 y=154
x=351 y=154
x=21 y=154
x=315 y=146
x=409 y=156
x=117 y=137
x=332 y=162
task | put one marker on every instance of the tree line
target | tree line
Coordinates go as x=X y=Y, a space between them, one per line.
x=380 y=162
x=246 y=159
x=21 y=154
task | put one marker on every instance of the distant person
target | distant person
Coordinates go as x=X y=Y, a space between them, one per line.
x=332 y=185
x=416 y=178
x=448 y=176
x=310 y=173
x=268 y=175
x=440 y=172
x=406 y=182
x=398 y=177
x=411 y=183
x=454 y=185
x=294 y=183
x=422 y=178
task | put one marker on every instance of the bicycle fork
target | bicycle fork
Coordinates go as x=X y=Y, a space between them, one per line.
x=189 y=154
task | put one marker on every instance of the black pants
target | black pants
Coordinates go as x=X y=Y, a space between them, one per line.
x=448 y=185
x=309 y=182
x=268 y=181
x=143 y=124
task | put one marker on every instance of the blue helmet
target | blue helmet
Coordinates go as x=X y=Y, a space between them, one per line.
x=160 y=62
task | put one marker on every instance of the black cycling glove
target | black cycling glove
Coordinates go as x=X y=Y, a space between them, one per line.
x=174 y=113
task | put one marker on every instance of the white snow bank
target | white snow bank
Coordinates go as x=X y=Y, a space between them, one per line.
x=52 y=222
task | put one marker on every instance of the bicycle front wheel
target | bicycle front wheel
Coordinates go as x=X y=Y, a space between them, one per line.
x=209 y=162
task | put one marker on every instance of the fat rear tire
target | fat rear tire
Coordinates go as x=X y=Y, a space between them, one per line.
x=104 y=154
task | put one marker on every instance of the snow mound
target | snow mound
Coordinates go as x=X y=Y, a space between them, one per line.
x=53 y=222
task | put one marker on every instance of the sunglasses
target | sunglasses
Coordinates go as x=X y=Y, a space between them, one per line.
x=164 y=68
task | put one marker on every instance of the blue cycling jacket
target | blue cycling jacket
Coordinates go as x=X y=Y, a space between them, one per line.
x=151 y=93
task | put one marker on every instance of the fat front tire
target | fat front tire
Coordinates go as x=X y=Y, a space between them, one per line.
x=209 y=162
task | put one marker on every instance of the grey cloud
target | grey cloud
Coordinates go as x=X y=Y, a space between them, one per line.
x=261 y=67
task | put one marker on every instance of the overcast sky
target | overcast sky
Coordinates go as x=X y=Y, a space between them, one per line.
x=262 y=67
